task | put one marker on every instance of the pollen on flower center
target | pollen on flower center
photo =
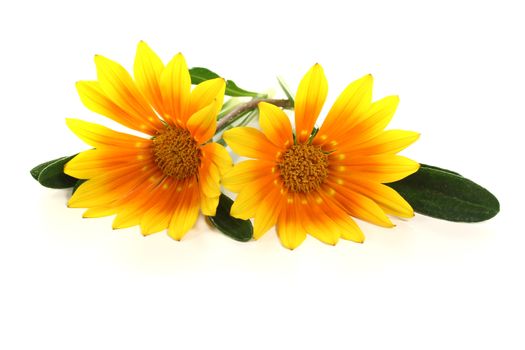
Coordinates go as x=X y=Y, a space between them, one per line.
x=303 y=168
x=176 y=153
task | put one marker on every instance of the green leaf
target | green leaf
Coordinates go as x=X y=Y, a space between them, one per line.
x=240 y=230
x=35 y=172
x=446 y=195
x=436 y=168
x=286 y=91
x=200 y=74
x=51 y=174
x=233 y=90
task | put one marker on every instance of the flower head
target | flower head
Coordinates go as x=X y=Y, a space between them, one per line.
x=162 y=180
x=312 y=181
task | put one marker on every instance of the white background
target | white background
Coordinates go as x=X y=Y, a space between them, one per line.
x=70 y=283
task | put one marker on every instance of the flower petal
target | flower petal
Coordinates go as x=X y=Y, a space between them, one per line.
x=175 y=86
x=209 y=205
x=96 y=100
x=131 y=207
x=275 y=125
x=99 y=211
x=99 y=136
x=187 y=211
x=245 y=172
x=289 y=225
x=250 y=142
x=118 y=86
x=347 y=110
x=218 y=155
x=339 y=221
x=372 y=124
x=156 y=214
x=309 y=101
x=388 y=142
x=147 y=70
x=112 y=185
x=268 y=211
x=91 y=163
x=387 y=198
x=202 y=124
x=248 y=200
x=317 y=223
x=382 y=168
x=206 y=93
x=209 y=178
x=356 y=204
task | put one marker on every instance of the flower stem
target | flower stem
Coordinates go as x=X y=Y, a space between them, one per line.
x=224 y=121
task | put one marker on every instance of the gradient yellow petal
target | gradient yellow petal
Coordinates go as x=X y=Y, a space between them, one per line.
x=309 y=101
x=118 y=86
x=250 y=142
x=156 y=215
x=382 y=168
x=275 y=125
x=374 y=122
x=341 y=222
x=112 y=185
x=186 y=213
x=289 y=226
x=202 y=124
x=347 y=110
x=206 y=93
x=350 y=231
x=96 y=100
x=175 y=85
x=91 y=163
x=387 y=198
x=98 y=212
x=388 y=142
x=209 y=205
x=268 y=211
x=147 y=70
x=131 y=208
x=218 y=155
x=316 y=222
x=246 y=204
x=99 y=136
x=209 y=178
x=357 y=205
x=245 y=172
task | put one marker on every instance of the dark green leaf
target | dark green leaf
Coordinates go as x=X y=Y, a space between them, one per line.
x=240 y=230
x=446 y=195
x=35 y=172
x=51 y=174
x=200 y=74
x=436 y=168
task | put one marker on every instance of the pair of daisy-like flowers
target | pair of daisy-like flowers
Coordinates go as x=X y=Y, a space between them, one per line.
x=303 y=180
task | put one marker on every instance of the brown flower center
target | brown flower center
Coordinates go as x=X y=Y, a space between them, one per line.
x=303 y=168
x=176 y=153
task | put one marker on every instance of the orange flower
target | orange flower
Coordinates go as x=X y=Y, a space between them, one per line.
x=157 y=182
x=311 y=182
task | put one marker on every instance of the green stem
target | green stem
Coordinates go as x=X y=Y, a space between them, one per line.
x=250 y=105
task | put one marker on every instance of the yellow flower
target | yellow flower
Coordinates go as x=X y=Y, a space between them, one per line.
x=160 y=181
x=313 y=182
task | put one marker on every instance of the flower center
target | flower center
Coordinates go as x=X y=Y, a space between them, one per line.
x=176 y=153
x=303 y=168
